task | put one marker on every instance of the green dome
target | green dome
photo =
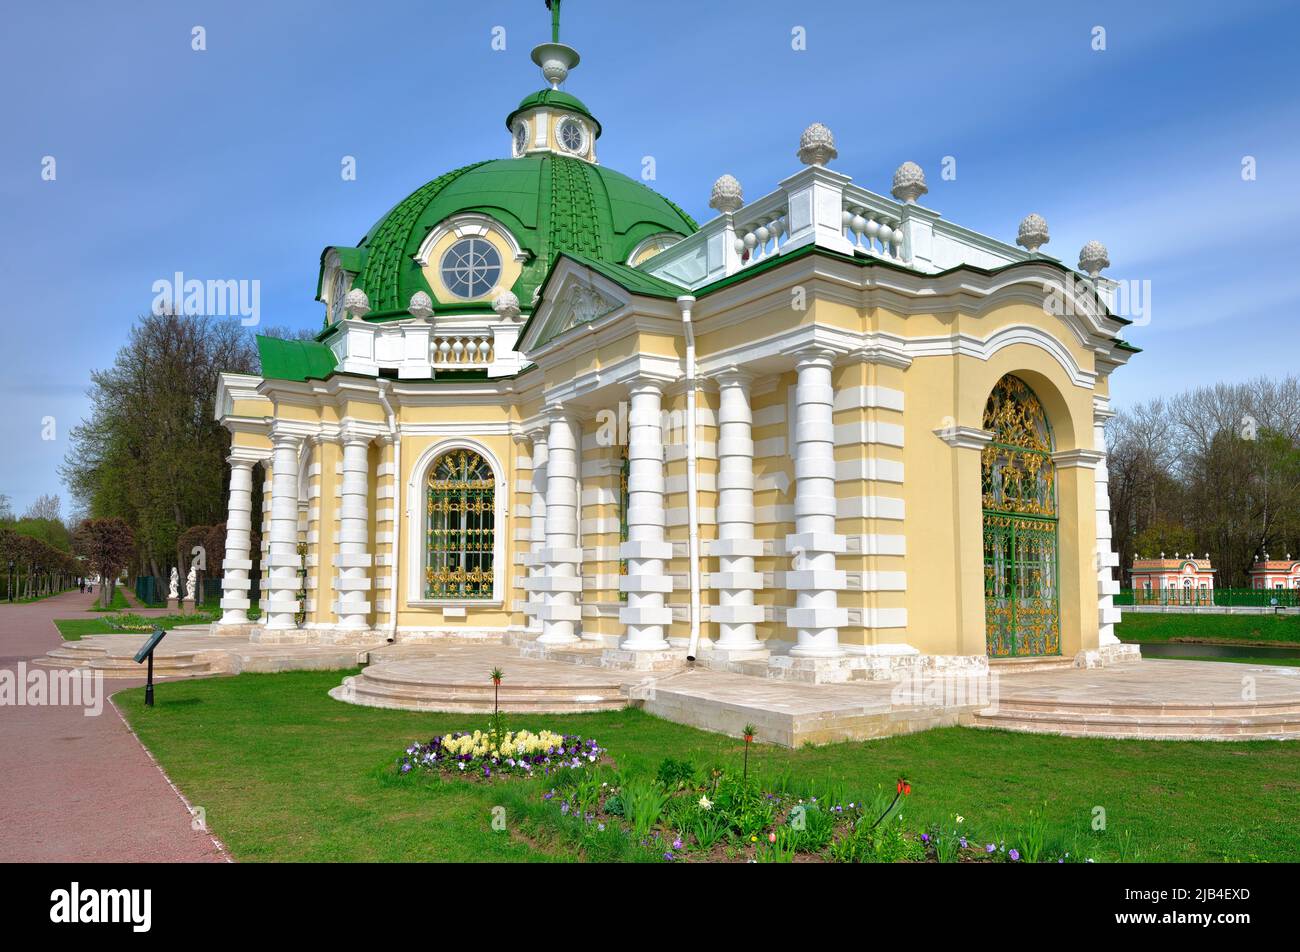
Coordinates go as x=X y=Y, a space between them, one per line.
x=549 y=203
x=554 y=99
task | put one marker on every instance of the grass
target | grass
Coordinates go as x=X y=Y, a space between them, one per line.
x=117 y=603
x=285 y=773
x=1265 y=629
x=74 y=629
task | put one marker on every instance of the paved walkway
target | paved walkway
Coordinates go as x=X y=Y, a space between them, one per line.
x=78 y=788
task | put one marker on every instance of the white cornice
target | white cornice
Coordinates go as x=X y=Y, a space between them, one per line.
x=964 y=437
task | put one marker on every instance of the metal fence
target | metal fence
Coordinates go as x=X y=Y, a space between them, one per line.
x=1220 y=597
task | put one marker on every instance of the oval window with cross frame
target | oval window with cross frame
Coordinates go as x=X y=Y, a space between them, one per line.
x=571 y=135
x=471 y=268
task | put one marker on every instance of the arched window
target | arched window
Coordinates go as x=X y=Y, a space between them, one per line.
x=461 y=527
x=1018 y=484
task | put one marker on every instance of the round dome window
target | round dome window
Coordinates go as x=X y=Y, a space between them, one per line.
x=521 y=138
x=572 y=136
x=471 y=268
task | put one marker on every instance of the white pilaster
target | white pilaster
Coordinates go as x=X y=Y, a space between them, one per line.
x=237 y=561
x=645 y=615
x=817 y=616
x=354 y=558
x=536 y=528
x=562 y=581
x=1107 y=559
x=735 y=547
x=282 y=558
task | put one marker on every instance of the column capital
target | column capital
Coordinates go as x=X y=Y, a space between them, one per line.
x=318 y=439
x=814 y=355
x=285 y=435
x=350 y=434
x=734 y=375
x=236 y=460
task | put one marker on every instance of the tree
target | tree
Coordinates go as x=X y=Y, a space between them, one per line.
x=151 y=452
x=47 y=507
x=107 y=545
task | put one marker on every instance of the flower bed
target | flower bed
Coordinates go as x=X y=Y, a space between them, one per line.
x=491 y=754
x=678 y=816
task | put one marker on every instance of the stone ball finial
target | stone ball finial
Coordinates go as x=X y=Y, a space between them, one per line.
x=506 y=305
x=909 y=183
x=817 y=145
x=1092 y=258
x=421 y=306
x=1033 y=233
x=727 y=195
x=356 y=303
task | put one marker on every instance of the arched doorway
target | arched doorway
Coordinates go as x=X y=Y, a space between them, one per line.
x=1021 y=598
x=461 y=528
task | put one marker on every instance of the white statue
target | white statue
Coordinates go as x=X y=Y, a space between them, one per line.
x=191 y=582
x=171 y=592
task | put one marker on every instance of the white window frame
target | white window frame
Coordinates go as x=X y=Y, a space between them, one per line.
x=415 y=521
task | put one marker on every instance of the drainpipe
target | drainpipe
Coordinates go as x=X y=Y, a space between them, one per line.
x=399 y=505
x=692 y=499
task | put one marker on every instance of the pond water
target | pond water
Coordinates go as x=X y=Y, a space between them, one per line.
x=1187 y=649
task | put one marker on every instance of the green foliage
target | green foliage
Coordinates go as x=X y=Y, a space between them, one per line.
x=675 y=774
x=811 y=826
x=643 y=804
x=1034 y=838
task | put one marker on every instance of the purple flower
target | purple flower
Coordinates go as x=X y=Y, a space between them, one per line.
x=668 y=857
x=963 y=842
x=564 y=807
x=406 y=768
x=677 y=843
x=1015 y=855
x=990 y=848
x=925 y=837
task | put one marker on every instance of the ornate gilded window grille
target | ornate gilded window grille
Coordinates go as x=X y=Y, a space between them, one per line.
x=461 y=533
x=1021 y=600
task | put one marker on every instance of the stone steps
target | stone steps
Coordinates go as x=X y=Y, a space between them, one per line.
x=122 y=666
x=1150 y=725
x=1030 y=665
x=1050 y=706
x=376 y=688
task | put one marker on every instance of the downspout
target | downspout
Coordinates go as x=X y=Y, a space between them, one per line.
x=399 y=506
x=692 y=498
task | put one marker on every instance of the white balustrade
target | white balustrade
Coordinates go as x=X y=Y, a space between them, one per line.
x=884 y=235
x=462 y=350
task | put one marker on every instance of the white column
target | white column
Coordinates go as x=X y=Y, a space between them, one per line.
x=282 y=558
x=645 y=615
x=537 y=527
x=735 y=547
x=1107 y=559
x=353 y=561
x=816 y=617
x=237 y=562
x=562 y=582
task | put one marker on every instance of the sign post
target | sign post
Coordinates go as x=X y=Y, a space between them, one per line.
x=146 y=652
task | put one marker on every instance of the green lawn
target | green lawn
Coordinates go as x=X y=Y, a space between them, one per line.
x=285 y=773
x=117 y=603
x=74 y=629
x=1156 y=626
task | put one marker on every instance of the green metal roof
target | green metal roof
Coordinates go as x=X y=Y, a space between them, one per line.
x=549 y=203
x=553 y=99
x=295 y=359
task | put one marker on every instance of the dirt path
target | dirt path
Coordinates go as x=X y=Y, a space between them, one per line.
x=77 y=788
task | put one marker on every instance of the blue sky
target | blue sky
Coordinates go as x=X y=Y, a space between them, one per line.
x=225 y=163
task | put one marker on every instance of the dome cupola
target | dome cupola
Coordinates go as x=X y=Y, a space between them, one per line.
x=551 y=120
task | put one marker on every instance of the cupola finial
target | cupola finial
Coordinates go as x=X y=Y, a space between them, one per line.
x=554 y=57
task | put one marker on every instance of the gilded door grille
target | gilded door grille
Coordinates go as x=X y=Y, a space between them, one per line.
x=461 y=533
x=1021 y=600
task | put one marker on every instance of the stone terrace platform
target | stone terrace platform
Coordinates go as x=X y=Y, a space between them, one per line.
x=1165 y=700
